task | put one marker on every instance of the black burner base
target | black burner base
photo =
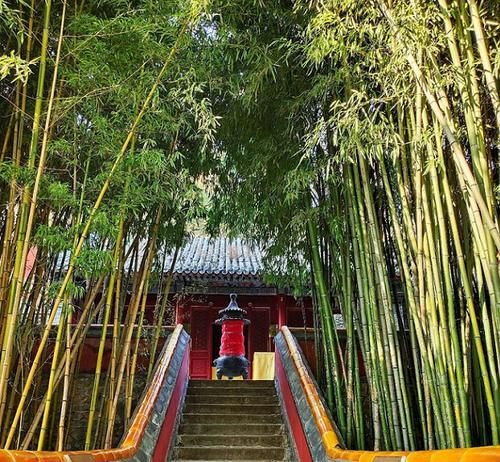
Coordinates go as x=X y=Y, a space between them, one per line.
x=231 y=366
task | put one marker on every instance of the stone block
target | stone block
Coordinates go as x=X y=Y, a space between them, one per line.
x=156 y=419
x=141 y=456
x=148 y=443
x=171 y=379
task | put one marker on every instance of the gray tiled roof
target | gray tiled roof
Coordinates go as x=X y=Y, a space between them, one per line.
x=205 y=256
x=219 y=256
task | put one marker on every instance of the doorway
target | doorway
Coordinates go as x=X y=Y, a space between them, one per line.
x=200 y=365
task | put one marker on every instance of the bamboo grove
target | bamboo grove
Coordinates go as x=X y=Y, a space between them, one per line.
x=370 y=148
x=418 y=192
x=357 y=141
x=95 y=193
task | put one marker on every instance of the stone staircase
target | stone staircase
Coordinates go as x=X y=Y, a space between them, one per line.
x=231 y=420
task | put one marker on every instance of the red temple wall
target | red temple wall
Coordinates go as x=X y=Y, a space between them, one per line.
x=265 y=312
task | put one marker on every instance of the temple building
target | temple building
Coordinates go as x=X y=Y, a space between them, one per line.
x=206 y=271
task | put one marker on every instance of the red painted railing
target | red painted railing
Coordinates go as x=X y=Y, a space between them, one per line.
x=172 y=415
x=294 y=423
x=332 y=445
x=158 y=400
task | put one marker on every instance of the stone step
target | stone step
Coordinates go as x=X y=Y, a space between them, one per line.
x=229 y=453
x=231 y=399
x=229 y=428
x=231 y=391
x=231 y=421
x=232 y=409
x=241 y=419
x=232 y=383
x=228 y=382
x=231 y=440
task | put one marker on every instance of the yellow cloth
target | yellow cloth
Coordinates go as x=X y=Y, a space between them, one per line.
x=263 y=366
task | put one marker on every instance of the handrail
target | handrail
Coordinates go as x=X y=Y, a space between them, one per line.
x=131 y=442
x=333 y=446
x=325 y=427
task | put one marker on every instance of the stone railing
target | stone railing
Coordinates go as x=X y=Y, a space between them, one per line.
x=155 y=421
x=310 y=425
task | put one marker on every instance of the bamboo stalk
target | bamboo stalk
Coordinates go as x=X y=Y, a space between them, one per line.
x=24 y=228
x=483 y=216
x=327 y=323
x=161 y=314
x=65 y=396
x=133 y=362
x=102 y=342
x=77 y=338
x=85 y=232
x=485 y=58
x=128 y=333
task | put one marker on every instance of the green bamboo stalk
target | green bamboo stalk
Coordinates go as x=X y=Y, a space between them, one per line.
x=456 y=373
x=381 y=417
x=85 y=232
x=66 y=387
x=442 y=113
x=468 y=292
x=412 y=301
x=327 y=322
x=484 y=54
x=347 y=313
x=20 y=260
x=365 y=337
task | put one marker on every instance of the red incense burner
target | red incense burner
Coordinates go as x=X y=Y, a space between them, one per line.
x=231 y=361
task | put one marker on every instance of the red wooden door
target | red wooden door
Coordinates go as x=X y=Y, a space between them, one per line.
x=258 y=332
x=201 y=333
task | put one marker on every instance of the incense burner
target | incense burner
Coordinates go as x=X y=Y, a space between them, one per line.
x=232 y=361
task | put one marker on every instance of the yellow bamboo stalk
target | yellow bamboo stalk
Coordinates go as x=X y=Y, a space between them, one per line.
x=102 y=343
x=116 y=336
x=128 y=333
x=484 y=217
x=484 y=54
x=51 y=385
x=65 y=396
x=133 y=363
x=161 y=314
x=76 y=340
x=8 y=134
x=84 y=234
x=23 y=245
